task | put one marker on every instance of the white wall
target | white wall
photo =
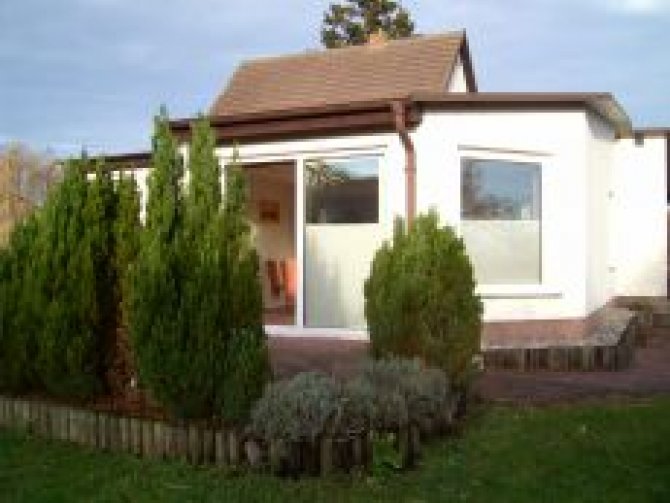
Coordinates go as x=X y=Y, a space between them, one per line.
x=457 y=82
x=557 y=140
x=600 y=280
x=141 y=177
x=640 y=213
x=604 y=229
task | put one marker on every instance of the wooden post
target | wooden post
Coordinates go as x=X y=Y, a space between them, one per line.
x=125 y=445
x=147 y=438
x=368 y=439
x=277 y=453
x=159 y=440
x=415 y=441
x=168 y=438
x=207 y=445
x=405 y=448
x=233 y=447
x=220 y=451
x=72 y=423
x=114 y=433
x=136 y=436
x=3 y=414
x=45 y=421
x=25 y=414
x=357 y=451
x=103 y=431
x=57 y=422
x=182 y=441
x=194 y=444
x=326 y=454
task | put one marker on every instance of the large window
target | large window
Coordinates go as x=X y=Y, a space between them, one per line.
x=501 y=220
x=342 y=191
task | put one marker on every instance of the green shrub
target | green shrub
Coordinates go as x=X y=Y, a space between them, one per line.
x=403 y=391
x=18 y=314
x=303 y=407
x=58 y=300
x=196 y=305
x=420 y=300
x=385 y=396
x=73 y=271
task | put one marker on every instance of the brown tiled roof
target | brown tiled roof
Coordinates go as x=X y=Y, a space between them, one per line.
x=391 y=69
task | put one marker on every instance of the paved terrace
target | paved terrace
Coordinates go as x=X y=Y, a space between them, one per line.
x=649 y=374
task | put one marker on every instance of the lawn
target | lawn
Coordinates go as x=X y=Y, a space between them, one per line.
x=616 y=452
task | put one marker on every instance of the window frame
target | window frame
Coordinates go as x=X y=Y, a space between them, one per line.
x=544 y=288
x=343 y=159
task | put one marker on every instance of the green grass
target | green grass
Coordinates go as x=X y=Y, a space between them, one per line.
x=601 y=453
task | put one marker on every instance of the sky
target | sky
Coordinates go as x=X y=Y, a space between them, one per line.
x=92 y=73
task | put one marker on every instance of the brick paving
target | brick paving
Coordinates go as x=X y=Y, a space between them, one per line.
x=291 y=355
x=649 y=374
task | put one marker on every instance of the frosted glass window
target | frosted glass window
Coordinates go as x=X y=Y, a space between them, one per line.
x=501 y=220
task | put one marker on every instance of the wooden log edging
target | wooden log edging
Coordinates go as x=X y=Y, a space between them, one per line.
x=562 y=358
x=188 y=442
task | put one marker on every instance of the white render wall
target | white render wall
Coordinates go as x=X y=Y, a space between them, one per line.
x=604 y=229
x=600 y=280
x=557 y=140
x=457 y=82
x=640 y=218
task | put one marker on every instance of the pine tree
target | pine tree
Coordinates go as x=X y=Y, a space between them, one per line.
x=352 y=22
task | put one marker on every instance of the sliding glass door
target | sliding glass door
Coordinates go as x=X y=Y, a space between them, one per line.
x=342 y=233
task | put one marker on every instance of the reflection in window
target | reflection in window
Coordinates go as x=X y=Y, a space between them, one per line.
x=501 y=210
x=343 y=191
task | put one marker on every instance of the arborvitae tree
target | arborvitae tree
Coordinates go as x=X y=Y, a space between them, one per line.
x=126 y=231
x=164 y=206
x=247 y=360
x=352 y=22
x=58 y=300
x=420 y=298
x=126 y=237
x=100 y=215
x=195 y=311
x=19 y=313
x=156 y=325
x=72 y=241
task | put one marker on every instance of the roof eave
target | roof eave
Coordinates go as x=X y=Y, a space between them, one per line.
x=603 y=104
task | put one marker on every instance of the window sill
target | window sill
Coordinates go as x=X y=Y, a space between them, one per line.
x=517 y=292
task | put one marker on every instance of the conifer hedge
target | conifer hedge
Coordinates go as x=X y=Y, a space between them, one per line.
x=195 y=306
x=186 y=285
x=420 y=299
x=57 y=284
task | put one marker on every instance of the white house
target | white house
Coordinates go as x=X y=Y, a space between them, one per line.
x=561 y=204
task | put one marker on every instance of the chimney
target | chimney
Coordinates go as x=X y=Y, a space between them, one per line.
x=378 y=38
